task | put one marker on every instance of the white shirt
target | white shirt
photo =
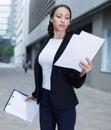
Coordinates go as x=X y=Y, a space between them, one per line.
x=46 y=58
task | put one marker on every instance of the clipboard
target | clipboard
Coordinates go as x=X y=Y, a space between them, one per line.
x=17 y=106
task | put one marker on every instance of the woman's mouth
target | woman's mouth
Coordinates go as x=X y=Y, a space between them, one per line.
x=61 y=25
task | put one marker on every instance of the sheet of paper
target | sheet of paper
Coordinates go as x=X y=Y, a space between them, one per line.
x=79 y=47
x=17 y=106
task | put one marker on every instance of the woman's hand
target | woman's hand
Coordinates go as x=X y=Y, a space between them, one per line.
x=29 y=97
x=86 y=67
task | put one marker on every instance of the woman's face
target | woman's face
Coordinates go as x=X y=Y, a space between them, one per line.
x=61 y=19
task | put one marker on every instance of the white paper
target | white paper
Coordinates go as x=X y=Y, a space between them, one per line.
x=17 y=106
x=79 y=47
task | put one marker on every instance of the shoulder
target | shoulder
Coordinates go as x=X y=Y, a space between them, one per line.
x=69 y=34
x=44 y=39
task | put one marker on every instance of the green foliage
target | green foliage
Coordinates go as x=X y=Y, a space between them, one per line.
x=6 y=51
x=9 y=51
x=1 y=50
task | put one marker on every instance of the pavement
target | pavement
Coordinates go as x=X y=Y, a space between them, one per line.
x=93 y=111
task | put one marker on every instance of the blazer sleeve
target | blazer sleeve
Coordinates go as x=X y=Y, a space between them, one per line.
x=38 y=70
x=76 y=80
x=37 y=77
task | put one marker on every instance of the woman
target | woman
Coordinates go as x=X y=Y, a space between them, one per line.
x=55 y=85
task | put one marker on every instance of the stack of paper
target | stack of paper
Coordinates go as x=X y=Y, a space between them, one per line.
x=79 y=47
x=16 y=105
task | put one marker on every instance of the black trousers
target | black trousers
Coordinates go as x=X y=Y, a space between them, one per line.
x=50 y=117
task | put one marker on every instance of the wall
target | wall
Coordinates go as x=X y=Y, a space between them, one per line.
x=77 y=8
x=99 y=79
x=21 y=32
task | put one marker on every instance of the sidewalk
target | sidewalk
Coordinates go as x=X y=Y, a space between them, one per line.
x=6 y=65
x=93 y=111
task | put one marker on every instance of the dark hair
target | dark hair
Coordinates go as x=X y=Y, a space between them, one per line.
x=50 y=26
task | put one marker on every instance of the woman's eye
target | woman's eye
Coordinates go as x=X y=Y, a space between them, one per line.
x=67 y=18
x=58 y=16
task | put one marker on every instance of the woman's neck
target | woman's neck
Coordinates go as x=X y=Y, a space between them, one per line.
x=59 y=35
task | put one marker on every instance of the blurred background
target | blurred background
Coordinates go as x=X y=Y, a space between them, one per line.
x=24 y=22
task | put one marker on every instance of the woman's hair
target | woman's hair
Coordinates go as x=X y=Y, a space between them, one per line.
x=50 y=26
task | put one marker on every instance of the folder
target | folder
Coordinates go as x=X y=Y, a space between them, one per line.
x=17 y=106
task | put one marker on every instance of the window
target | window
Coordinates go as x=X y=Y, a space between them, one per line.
x=106 y=51
x=38 y=11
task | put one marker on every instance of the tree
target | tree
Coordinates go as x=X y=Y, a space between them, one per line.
x=6 y=52
x=1 y=50
x=9 y=51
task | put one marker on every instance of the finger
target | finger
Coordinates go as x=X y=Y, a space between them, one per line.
x=85 y=68
x=28 y=97
x=87 y=65
x=84 y=65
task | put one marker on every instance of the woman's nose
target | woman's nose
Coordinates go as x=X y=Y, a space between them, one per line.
x=63 y=20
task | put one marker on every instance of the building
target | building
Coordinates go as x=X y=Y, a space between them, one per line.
x=20 y=27
x=88 y=15
x=13 y=21
x=5 y=22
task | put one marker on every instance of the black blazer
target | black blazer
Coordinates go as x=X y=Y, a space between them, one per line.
x=63 y=80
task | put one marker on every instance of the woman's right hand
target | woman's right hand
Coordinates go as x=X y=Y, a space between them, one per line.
x=29 y=97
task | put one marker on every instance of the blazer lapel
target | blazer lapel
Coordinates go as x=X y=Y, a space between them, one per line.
x=62 y=46
x=44 y=43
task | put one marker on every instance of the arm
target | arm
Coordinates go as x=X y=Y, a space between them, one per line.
x=79 y=79
x=76 y=80
x=86 y=67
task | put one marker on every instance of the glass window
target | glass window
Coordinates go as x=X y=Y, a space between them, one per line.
x=3 y=27
x=2 y=32
x=5 y=2
x=4 y=14
x=3 y=21
x=5 y=8
x=106 y=51
x=109 y=50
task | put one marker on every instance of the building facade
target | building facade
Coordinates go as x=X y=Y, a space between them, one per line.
x=88 y=15
x=21 y=18
x=13 y=21
x=5 y=22
x=5 y=10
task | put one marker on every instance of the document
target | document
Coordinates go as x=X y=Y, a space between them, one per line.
x=16 y=105
x=79 y=47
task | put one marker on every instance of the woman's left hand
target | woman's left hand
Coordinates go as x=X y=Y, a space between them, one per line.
x=86 y=67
